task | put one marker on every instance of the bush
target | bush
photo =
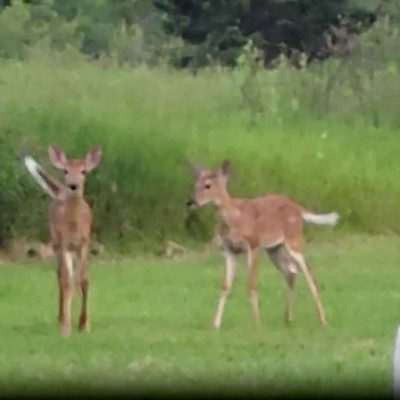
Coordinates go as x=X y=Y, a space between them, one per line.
x=23 y=26
x=321 y=150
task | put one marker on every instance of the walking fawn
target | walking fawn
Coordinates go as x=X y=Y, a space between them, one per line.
x=272 y=222
x=70 y=219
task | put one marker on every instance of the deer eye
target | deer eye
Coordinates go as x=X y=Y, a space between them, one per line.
x=83 y=172
x=207 y=186
x=65 y=171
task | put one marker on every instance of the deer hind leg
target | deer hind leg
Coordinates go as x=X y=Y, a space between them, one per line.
x=284 y=263
x=299 y=258
x=65 y=272
x=83 y=282
x=252 y=284
x=289 y=297
x=229 y=275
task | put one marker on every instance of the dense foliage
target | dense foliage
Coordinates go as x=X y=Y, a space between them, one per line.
x=220 y=28
x=78 y=73
x=189 y=32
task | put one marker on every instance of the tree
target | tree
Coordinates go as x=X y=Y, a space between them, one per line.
x=97 y=23
x=218 y=29
x=22 y=25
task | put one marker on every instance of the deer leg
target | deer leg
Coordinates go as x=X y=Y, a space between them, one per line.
x=84 y=287
x=229 y=275
x=65 y=270
x=298 y=257
x=252 y=284
x=284 y=263
x=290 y=281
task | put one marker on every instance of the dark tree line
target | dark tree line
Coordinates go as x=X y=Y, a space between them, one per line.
x=217 y=30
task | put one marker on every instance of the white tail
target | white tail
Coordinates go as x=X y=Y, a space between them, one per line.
x=47 y=183
x=270 y=223
x=321 y=219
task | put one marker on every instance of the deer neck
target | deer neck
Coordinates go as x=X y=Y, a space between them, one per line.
x=73 y=202
x=227 y=209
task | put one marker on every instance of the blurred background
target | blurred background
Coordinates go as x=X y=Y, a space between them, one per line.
x=301 y=95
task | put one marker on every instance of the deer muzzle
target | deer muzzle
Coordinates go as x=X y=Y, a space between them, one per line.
x=191 y=203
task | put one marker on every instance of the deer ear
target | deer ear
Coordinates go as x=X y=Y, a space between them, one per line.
x=93 y=158
x=225 y=168
x=57 y=157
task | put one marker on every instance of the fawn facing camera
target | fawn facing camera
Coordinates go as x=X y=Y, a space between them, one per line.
x=70 y=220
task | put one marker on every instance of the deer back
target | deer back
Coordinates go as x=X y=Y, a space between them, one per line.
x=263 y=221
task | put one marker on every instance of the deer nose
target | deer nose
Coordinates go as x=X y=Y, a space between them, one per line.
x=190 y=203
x=73 y=187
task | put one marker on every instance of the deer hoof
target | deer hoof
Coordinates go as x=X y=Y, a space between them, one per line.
x=65 y=330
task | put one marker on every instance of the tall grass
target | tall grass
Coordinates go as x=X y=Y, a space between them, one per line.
x=298 y=132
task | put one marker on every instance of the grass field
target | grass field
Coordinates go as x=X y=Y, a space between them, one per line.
x=149 y=122
x=151 y=326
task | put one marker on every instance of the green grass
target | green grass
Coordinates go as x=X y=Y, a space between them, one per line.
x=151 y=326
x=149 y=121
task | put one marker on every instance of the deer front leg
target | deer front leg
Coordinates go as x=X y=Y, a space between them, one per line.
x=84 y=287
x=252 y=283
x=65 y=270
x=229 y=275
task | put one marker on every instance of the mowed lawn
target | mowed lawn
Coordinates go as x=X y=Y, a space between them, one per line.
x=150 y=320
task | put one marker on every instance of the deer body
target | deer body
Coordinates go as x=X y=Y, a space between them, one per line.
x=272 y=223
x=70 y=220
x=262 y=222
x=70 y=223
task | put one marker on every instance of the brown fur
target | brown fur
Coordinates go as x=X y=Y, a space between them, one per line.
x=70 y=220
x=272 y=223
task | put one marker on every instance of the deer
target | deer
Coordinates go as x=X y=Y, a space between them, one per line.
x=270 y=223
x=69 y=223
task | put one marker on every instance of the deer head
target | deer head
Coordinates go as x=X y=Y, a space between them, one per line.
x=75 y=170
x=209 y=185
